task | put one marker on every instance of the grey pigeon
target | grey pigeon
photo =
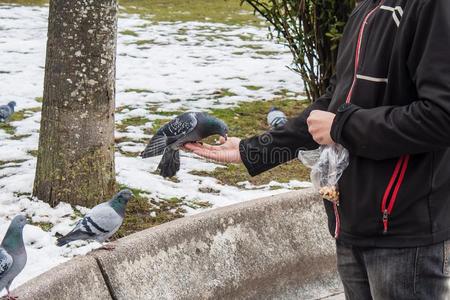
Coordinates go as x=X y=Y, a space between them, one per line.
x=186 y=128
x=276 y=118
x=13 y=255
x=6 y=111
x=101 y=222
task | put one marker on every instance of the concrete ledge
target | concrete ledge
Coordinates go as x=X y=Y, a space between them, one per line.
x=271 y=248
x=79 y=278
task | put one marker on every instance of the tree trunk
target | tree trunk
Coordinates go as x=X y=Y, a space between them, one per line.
x=76 y=145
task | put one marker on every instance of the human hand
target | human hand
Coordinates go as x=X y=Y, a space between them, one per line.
x=319 y=126
x=226 y=152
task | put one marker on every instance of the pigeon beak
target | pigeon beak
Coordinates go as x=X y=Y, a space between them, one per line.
x=226 y=137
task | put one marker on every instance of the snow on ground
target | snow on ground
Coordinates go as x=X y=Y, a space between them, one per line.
x=160 y=67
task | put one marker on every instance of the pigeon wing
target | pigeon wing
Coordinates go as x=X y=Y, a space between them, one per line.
x=103 y=220
x=170 y=133
x=6 y=262
x=99 y=224
x=105 y=217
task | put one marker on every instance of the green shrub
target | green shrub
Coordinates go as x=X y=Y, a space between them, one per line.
x=312 y=30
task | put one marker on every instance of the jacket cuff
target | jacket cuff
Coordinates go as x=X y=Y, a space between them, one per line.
x=343 y=113
x=245 y=157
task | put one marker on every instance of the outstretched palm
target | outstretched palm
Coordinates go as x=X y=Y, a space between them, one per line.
x=226 y=152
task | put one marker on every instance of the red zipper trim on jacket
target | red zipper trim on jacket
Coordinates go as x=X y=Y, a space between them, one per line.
x=358 y=49
x=387 y=211
x=338 y=221
x=349 y=96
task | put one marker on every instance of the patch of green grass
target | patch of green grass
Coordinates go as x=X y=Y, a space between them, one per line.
x=33 y=109
x=208 y=190
x=21 y=194
x=228 y=12
x=168 y=113
x=253 y=87
x=127 y=153
x=246 y=37
x=123 y=139
x=154 y=109
x=219 y=11
x=143 y=212
x=138 y=91
x=8 y=128
x=136 y=121
x=233 y=174
x=249 y=118
x=4 y=162
x=18 y=137
x=46 y=226
x=17 y=116
x=267 y=53
x=252 y=46
x=123 y=108
x=142 y=42
x=129 y=32
x=10 y=163
x=25 y=2
x=33 y=153
x=76 y=214
x=196 y=204
x=223 y=93
x=285 y=93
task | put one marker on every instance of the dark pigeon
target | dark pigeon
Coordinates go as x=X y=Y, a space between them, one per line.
x=276 y=118
x=101 y=222
x=186 y=128
x=6 y=111
x=13 y=256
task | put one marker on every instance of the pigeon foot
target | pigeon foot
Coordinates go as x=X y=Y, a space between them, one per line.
x=10 y=297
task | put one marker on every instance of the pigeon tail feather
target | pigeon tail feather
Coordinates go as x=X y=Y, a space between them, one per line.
x=170 y=163
x=62 y=241
x=156 y=146
x=70 y=237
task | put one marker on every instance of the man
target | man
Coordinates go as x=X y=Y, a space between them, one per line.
x=389 y=105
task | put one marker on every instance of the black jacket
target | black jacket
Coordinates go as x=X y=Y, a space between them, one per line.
x=394 y=71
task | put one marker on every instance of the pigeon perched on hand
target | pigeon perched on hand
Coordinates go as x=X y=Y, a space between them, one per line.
x=276 y=118
x=13 y=255
x=101 y=222
x=6 y=111
x=186 y=128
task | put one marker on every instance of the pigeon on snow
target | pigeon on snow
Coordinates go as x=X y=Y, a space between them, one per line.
x=13 y=255
x=276 y=118
x=6 y=111
x=186 y=128
x=101 y=222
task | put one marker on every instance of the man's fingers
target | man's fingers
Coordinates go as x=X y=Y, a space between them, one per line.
x=195 y=146
x=207 y=154
x=192 y=146
x=222 y=140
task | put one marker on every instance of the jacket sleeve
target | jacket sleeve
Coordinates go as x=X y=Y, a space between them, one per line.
x=422 y=126
x=263 y=152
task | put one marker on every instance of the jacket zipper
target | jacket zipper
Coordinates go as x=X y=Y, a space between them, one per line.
x=349 y=96
x=386 y=210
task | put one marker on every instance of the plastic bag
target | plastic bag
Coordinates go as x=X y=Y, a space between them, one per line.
x=327 y=164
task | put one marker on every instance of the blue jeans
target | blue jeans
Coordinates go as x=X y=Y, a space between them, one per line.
x=395 y=273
